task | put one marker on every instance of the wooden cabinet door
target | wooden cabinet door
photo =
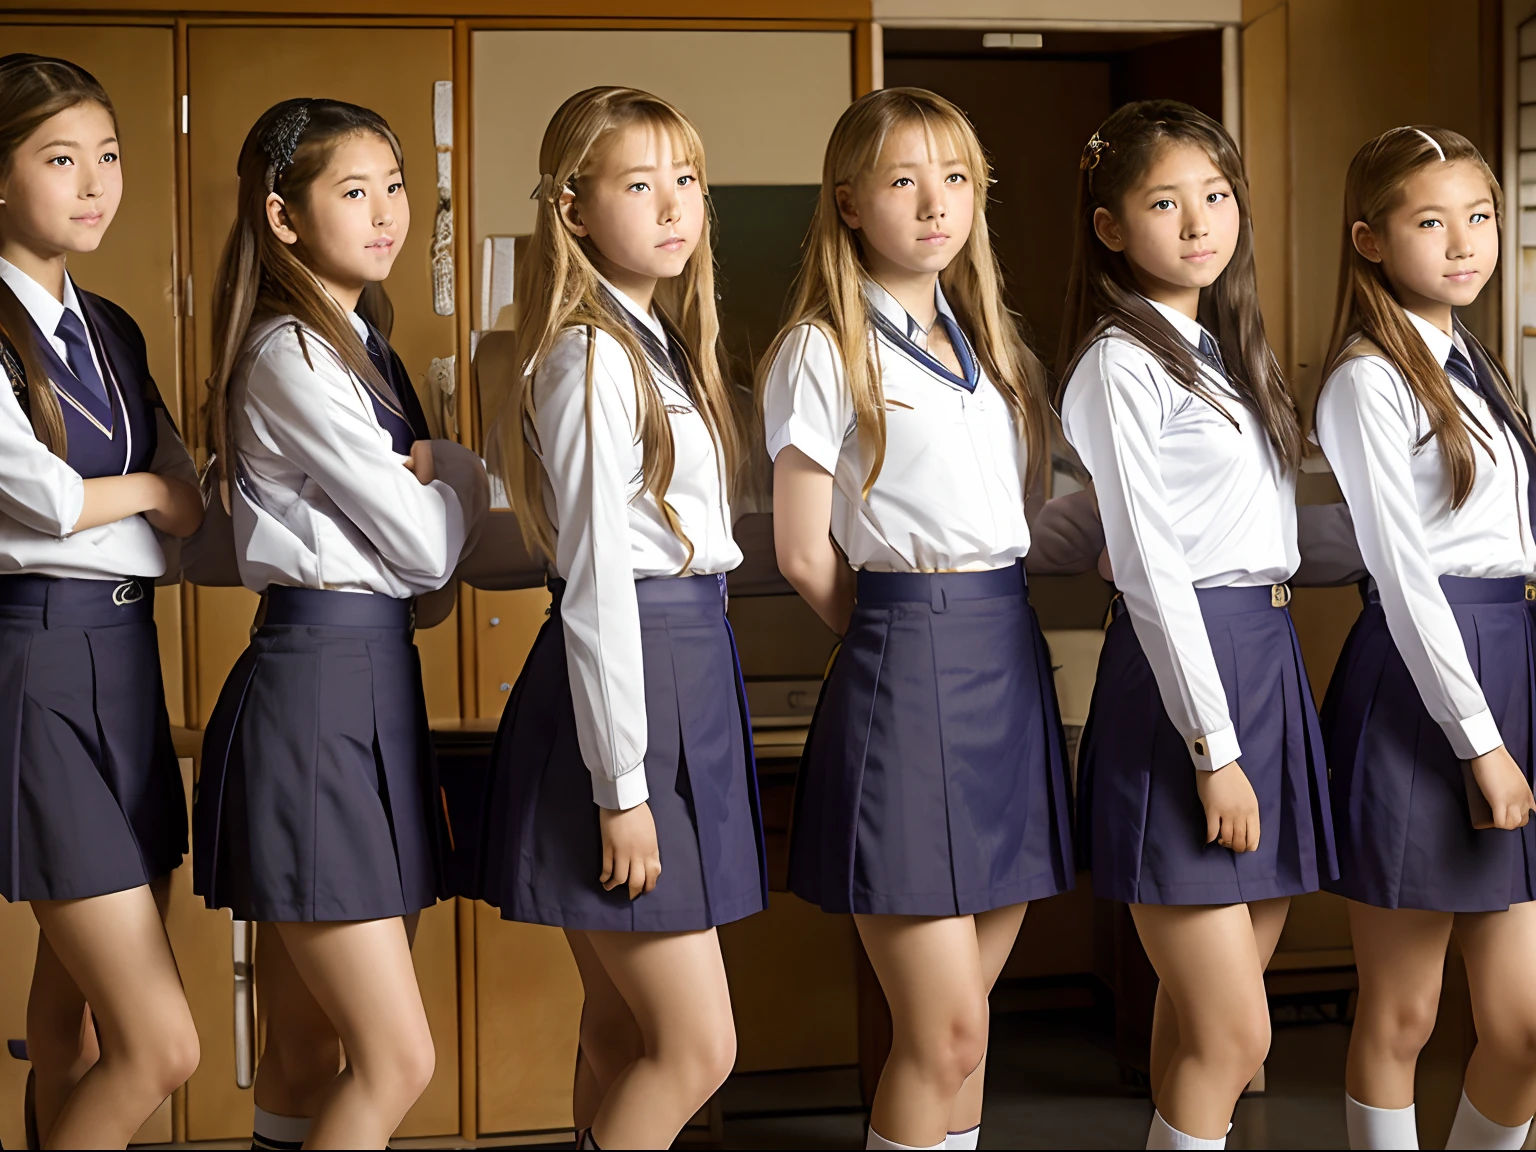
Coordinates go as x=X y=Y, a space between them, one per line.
x=234 y=74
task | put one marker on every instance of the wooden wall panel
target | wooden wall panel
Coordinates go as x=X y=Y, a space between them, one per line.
x=1267 y=157
x=505 y=626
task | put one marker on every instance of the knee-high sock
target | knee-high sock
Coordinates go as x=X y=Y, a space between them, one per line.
x=1472 y=1129
x=1164 y=1135
x=966 y=1139
x=279 y=1132
x=1370 y=1127
x=875 y=1140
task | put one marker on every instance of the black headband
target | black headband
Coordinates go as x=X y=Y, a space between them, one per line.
x=281 y=138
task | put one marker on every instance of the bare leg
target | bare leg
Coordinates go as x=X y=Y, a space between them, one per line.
x=114 y=950
x=1400 y=958
x=995 y=933
x=1268 y=918
x=361 y=976
x=61 y=1036
x=674 y=986
x=1207 y=958
x=931 y=972
x=610 y=1038
x=1501 y=1076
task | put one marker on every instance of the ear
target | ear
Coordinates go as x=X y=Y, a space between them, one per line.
x=846 y=206
x=277 y=219
x=1365 y=242
x=566 y=207
x=1107 y=229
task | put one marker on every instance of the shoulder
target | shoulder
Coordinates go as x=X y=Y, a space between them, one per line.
x=110 y=313
x=807 y=351
x=1364 y=377
x=1118 y=365
x=283 y=355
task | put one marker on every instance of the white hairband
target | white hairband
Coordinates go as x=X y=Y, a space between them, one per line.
x=1433 y=143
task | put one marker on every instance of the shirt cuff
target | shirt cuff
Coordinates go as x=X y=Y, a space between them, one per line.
x=795 y=432
x=1215 y=749
x=1474 y=736
x=623 y=792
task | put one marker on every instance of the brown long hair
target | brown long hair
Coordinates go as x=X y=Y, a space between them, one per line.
x=33 y=89
x=1102 y=292
x=558 y=287
x=259 y=276
x=1367 y=303
x=829 y=289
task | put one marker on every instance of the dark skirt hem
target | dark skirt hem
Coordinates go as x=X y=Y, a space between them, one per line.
x=942 y=904
x=687 y=920
x=1192 y=895
x=1361 y=894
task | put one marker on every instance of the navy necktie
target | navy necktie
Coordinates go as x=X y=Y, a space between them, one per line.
x=1460 y=369
x=78 y=346
x=1211 y=352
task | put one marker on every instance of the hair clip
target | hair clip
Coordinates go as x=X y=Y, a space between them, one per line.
x=1091 y=152
x=546 y=189
x=281 y=140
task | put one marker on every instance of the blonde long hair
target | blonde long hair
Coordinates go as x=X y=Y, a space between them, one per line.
x=1367 y=304
x=558 y=287
x=829 y=290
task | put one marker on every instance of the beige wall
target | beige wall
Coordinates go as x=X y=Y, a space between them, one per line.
x=1002 y=13
x=764 y=102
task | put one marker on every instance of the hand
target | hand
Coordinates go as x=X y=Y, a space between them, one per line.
x=420 y=462
x=1231 y=808
x=176 y=508
x=1504 y=786
x=630 y=853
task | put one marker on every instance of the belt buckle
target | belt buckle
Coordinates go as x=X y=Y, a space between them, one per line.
x=1279 y=595
x=1530 y=591
x=128 y=592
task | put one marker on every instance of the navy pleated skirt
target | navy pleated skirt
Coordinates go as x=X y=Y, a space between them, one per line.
x=1399 y=800
x=1141 y=825
x=542 y=849
x=318 y=800
x=92 y=800
x=934 y=781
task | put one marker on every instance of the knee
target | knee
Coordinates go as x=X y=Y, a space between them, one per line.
x=1513 y=1040
x=610 y=1042
x=710 y=1057
x=1404 y=1024
x=956 y=1046
x=415 y=1065
x=1238 y=1045
x=170 y=1057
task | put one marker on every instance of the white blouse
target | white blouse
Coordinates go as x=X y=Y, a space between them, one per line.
x=608 y=535
x=1188 y=501
x=41 y=496
x=950 y=494
x=1369 y=425
x=320 y=498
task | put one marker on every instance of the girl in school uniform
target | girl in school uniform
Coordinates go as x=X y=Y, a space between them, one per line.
x=905 y=417
x=1202 y=794
x=623 y=806
x=94 y=479
x=1428 y=718
x=317 y=808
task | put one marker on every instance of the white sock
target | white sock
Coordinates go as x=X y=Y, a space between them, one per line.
x=1370 y=1127
x=966 y=1139
x=875 y=1140
x=1164 y=1135
x=274 y=1131
x=1474 y=1130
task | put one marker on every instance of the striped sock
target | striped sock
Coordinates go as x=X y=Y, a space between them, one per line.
x=272 y=1131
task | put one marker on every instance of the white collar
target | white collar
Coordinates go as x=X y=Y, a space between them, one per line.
x=1438 y=342
x=360 y=326
x=888 y=306
x=1191 y=330
x=46 y=312
x=635 y=310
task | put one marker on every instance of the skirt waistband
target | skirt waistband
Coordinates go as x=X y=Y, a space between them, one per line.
x=1228 y=601
x=65 y=602
x=940 y=589
x=663 y=591
x=1471 y=590
x=324 y=607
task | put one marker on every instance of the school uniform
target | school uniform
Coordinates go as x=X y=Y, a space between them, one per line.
x=91 y=799
x=1438 y=669
x=318 y=799
x=934 y=780
x=1200 y=666
x=632 y=692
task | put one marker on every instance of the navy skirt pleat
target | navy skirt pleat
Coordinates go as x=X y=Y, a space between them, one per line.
x=1399 y=799
x=92 y=801
x=542 y=848
x=934 y=780
x=1141 y=825
x=318 y=800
